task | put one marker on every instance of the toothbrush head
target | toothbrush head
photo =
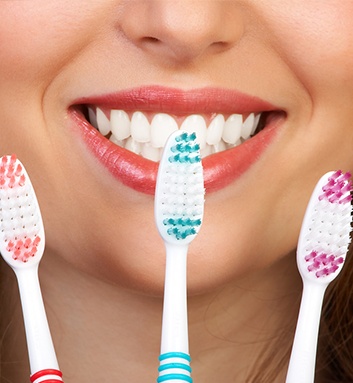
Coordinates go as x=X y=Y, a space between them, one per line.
x=21 y=226
x=179 y=198
x=325 y=234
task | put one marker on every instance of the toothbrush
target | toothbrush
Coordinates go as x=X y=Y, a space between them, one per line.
x=21 y=246
x=322 y=247
x=179 y=204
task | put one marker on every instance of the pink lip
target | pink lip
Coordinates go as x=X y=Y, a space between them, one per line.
x=140 y=174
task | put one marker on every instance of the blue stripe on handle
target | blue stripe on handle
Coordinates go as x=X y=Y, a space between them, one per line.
x=165 y=378
x=181 y=366
x=181 y=355
x=178 y=367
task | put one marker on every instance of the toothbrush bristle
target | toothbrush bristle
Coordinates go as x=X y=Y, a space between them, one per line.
x=338 y=188
x=181 y=191
x=329 y=230
x=23 y=249
x=323 y=264
x=186 y=149
x=19 y=218
x=11 y=174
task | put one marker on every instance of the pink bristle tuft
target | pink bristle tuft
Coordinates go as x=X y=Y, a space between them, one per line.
x=337 y=189
x=323 y=264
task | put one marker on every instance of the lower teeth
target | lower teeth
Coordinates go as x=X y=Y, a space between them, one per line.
x=149 y=152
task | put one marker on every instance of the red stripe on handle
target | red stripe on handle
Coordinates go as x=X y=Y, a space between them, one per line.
x=51 y=381
x=42 y=373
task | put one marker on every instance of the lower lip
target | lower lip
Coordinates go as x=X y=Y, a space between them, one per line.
x=140 y=174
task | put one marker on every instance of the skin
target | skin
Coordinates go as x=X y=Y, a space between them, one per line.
x=100 y=238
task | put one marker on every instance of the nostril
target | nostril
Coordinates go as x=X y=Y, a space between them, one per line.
x=150 y=39
x=220 y=46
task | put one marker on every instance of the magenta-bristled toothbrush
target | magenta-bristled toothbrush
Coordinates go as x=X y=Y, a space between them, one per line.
x=321 y=252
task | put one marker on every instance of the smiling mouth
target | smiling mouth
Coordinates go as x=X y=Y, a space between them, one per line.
x=126 y=131
x=145 y=133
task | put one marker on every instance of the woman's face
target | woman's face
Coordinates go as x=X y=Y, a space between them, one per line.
x=287 y=61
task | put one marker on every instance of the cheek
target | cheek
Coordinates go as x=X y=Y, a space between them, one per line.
x=315 y=41
x=38 y=38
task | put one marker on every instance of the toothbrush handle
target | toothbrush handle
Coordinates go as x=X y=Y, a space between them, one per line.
x=42 y=357
x=175 y=359
x=303 y=358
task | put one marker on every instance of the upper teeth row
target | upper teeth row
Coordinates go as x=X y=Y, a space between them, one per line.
x=147 y=139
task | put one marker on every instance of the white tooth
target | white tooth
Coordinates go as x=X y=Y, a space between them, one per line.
x=162 y=126
x=133 y=146
x=206 y=151
x=232 y=128
x=248 y=126
x=215 y=130
x=92 y=117
x=256 y=122
x=196 y=123
x=238 y=142
x=151 y=153
x=219 y=147
x=115 y=141
x=102 y=122
x=140 y=127
x=120 y=124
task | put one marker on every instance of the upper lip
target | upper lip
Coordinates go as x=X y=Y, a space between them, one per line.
x=179 y=102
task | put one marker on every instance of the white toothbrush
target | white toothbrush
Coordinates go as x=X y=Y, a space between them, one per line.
x=321 y=252
x=179 y=204
x=21 y=246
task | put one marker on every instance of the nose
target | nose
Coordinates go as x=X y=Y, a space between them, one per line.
x=182 y=30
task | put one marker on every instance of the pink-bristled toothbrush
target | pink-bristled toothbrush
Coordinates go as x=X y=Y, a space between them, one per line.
x=22 y=246
x=321 y=252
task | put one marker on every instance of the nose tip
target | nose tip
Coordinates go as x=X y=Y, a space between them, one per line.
x=182 y=30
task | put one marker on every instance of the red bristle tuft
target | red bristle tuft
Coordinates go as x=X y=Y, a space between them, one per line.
x=11 y=173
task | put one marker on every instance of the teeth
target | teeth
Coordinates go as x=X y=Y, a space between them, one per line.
x=92 y=117
x=148 y=139
x=215 y=130
x=140 y=128
x=120 y=124
x=150 y=152
x=219 y=147
x=232 y=129
x=248 y=126
x=133 y=145
x=162 y=126
x=196 y=123
x=103 y=122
